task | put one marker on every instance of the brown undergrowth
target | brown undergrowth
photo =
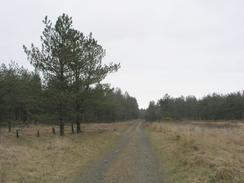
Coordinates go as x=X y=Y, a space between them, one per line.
x=199 y=152
x=51 y=158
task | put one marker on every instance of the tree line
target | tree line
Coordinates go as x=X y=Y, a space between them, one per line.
x=211 y=107
x=66 y=84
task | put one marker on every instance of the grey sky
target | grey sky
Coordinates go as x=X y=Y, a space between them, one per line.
x=190 y=47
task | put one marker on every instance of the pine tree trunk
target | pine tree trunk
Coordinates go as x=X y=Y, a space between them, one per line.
x=9 y=123
x=61 y=99
x=61 y=127
x=72 y=128
x=78 y=127
x=77 y=110
x=9 y=126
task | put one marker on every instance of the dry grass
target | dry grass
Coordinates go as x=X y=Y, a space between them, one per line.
x=50 y=158
x=197 y=152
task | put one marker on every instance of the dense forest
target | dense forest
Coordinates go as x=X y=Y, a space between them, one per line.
x=65 y=85
x=23 y=98
x=210 y=107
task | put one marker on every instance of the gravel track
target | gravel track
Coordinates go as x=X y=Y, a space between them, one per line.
x=131 y=161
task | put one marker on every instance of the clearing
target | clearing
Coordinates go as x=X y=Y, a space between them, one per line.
x=117 y=152
x=131 y=152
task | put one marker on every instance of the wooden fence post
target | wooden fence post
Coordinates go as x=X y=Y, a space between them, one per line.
x=53 y=130
x=17 y=133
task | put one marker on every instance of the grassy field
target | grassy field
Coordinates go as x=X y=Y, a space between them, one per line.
x=200 y=152
x=50 y=158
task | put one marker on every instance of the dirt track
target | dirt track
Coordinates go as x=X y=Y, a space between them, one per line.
x=131 y=161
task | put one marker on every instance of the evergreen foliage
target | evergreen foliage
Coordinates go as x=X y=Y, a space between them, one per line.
x=66 y=85
x=210 y=107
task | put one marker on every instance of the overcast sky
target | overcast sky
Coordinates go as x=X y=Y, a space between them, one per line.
x=190 y=47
